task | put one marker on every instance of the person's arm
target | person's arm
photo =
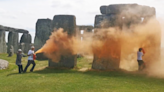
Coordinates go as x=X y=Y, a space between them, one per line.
x=143 y=51
x=24 y=55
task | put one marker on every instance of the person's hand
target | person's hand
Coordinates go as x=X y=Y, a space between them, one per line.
x=143 y=50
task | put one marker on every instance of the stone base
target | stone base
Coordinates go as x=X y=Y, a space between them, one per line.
x=105 y=63
x=41 y=56
x=65 y=62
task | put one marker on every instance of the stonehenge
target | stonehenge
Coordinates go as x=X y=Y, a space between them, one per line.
x=119 y=15
x=13 y=39
x=114 y=15
x=13 y=29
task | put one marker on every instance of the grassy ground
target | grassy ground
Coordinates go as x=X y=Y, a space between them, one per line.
x=55 y=80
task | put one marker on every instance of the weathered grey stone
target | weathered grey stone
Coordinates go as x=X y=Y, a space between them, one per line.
x=11 y=51
x=3 y=64
x=103 y=9
x=13 y=29
x=3 y=48
x=22 y=47
x=68 y=23
x=106 y=21
x=25 y=47
x=43 y=31
x=26 y=38
x=13 y=40
x=131 y=10
x=119 y=8
x=25 y=42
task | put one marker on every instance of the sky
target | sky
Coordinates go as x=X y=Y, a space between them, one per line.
x=24 y=13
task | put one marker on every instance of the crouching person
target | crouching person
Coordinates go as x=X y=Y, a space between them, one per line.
x=19 y=60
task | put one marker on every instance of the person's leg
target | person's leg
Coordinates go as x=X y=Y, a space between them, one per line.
x=139 y=65
x=33 y=66
x=143 y=65
x=19 y=69
x=28 y=63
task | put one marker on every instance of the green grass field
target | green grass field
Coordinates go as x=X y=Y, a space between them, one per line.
x=54 y=80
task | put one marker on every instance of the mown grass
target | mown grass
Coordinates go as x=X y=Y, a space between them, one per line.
x=58 y=80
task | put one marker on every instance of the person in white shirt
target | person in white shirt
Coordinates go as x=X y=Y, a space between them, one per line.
x=30 y=59
x=141 y=63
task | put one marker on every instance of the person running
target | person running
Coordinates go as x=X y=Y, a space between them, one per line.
x=30 y=59
x=19 y=60
x=141 y=63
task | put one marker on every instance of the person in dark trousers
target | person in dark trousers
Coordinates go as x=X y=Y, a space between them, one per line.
x=30 y=59
x=19 y=60
x=141 y=63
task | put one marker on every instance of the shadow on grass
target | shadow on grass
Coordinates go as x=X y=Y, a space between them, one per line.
x=16 y=73
x=112 y=73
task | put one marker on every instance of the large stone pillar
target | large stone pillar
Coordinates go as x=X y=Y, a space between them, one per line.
x=25 y=42
x=13 y=40
x=43 y=31
x=108 y=55
x=3 y=47
x=68 y=23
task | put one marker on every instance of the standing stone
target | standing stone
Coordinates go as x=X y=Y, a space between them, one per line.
x=26 y=38
x=110 y=57
x=43 y=31
x=13 y=40
x=25 y=42
x=98 y=21
x=11 y=51
x=3 y=48
x=103 y=9
x=68 y=23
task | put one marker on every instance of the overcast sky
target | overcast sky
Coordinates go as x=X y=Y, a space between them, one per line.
x=24 y=13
